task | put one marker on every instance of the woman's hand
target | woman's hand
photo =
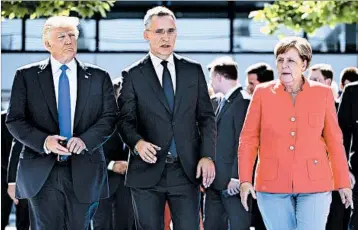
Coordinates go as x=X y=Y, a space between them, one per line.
x=245 y=189
x=346 y=197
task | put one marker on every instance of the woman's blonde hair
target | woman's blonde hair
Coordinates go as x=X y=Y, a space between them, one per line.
x=300 y=44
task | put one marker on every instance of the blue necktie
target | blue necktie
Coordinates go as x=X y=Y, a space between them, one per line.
x=221 y=106
x=169 y=94
x=64 y=107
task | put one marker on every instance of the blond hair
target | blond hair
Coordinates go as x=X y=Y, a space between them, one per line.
x=59 y=22
x=300 y=44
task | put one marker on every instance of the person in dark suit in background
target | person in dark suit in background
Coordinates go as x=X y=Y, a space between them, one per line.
x=348 y=121
x=22 y=211
x=62 y=111
x=167 y=121
x=115 y=212
x=223 y=207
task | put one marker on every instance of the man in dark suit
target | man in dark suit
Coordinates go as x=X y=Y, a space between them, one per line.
x=115 y=212
x=62 y=111
x=348 y=121
x=256 y=74
x=223 y=207
x=167 y=121
x=8 y=174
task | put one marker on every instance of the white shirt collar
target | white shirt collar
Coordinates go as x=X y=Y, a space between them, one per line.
x=157 y=61
x=231 y=91
x=56 y=65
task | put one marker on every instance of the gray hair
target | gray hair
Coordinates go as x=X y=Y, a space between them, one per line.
x=59 y=22
x=157 y=11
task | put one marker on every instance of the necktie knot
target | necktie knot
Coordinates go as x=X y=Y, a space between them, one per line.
x=64 y=67
x=164 y=64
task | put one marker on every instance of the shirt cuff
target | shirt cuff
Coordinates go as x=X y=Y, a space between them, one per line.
x=235 y=180
x=45 y=149
x=110 y=165
x=12 y=183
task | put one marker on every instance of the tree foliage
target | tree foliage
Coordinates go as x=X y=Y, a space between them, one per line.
x=306 y=15
x=36 y=9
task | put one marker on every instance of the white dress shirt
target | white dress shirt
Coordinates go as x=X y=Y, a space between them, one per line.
x=159 y=68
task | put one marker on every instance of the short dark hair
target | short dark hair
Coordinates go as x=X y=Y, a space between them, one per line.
x=228 y=71
x=325 y=69
x=263 y=71
x=350 y=74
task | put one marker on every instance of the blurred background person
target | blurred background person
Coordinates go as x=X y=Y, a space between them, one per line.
x=348 y=121
x=223 y=209
x=293 y=124
x=258 y=73
x=348 y=75
x=115 y=212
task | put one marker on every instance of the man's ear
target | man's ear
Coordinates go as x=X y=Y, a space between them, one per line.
x=328 y=81
x=145 y=35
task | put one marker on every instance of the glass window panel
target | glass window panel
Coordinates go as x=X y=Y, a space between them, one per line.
x=327 y=39
x=121 y=34
x=11 y=34
x=249 y=38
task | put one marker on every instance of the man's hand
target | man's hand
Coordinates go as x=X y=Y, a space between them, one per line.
x=233 y=187
x=75 y=145
x=120 y=167
x=53 y=145
x=11 y=191
x=206 y=169
x=147 y=151
x=346 y=197
x=245 y=189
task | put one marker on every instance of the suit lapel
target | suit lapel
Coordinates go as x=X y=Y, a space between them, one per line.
x=228 y=103
x=180 y=84
x=48 y=89
x=150 y=75
x=83 y=88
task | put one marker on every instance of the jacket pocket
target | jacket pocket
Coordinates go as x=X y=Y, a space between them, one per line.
x=268 y=169
x=315 y=120
x=318 y=169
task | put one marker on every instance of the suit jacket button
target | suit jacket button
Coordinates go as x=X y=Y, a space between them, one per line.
x=293 y=119
x=315 y=162
x=292 y=147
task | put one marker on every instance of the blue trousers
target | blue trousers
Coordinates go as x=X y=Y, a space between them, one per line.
x=302 y=211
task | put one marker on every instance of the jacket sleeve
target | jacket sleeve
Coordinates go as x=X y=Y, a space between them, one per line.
x=249 y=138
x=332 y=135
x=205 y=118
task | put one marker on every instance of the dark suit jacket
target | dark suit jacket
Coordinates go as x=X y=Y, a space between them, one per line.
x=16 y=149
x=348 y=121
x=229 y=124
x=114 y=150
x=145 y=114
x=6 y=139
x=32 y=116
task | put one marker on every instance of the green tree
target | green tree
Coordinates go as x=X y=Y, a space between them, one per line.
x=306 y=15
x=36 y=9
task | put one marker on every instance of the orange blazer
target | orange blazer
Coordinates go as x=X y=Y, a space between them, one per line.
x=300 y=147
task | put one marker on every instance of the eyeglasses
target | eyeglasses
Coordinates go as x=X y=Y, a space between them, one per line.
x=161 y=32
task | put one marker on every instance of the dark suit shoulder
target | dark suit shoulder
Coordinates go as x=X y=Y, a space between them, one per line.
x=135 y=65
x=93 y=68
x=186 y=59
x=352 y=86
x=34 y=66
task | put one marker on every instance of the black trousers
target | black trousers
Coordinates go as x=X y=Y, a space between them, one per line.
x=336 y=217
x=22 y=209
x=182 y=195
x=56 y=207
x=256 y=219
x=353 y=224
x=222 y=213
x=115 y=212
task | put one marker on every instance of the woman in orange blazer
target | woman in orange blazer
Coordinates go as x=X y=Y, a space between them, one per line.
x=291 y=124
